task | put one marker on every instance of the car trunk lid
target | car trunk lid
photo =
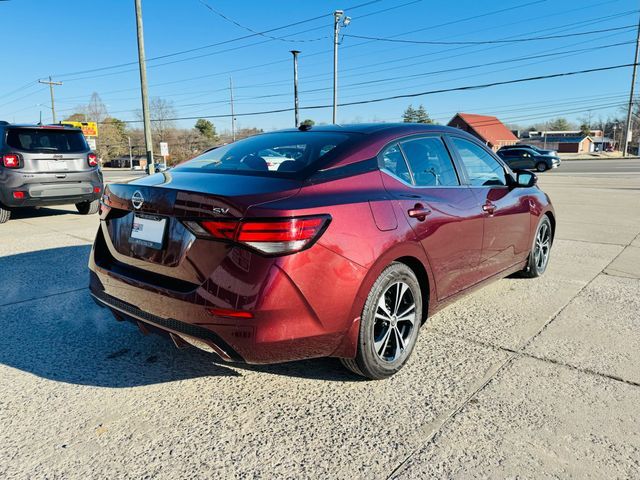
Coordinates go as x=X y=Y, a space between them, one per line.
x=173 y=198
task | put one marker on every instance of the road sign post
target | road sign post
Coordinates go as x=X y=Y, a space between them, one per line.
x=164 y=151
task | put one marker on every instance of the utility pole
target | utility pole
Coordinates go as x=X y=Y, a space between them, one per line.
x=53 y=103
x=130 y=155
x=233 y=115
x=148 y=139
x=633 y=83
x=295 y=86
x=337 y=15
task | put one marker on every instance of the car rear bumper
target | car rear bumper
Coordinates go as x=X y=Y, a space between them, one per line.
x=40 y=189
x=286 y=323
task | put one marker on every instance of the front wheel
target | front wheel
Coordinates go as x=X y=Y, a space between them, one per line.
x=541 y=166
x=88 y=208
x=389 y=324
x=541 y=249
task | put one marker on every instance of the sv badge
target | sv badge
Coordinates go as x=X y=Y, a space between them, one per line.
x=220 y=210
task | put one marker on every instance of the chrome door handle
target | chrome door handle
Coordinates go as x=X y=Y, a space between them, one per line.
x=419 y=212
x=489 y=207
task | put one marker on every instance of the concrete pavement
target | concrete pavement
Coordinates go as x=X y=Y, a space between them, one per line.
x=525 y=378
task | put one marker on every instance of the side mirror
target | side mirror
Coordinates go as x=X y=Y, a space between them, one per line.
x=525 y=178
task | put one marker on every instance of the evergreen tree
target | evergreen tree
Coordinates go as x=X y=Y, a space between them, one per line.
x=206 y=129
x=421 y=115
x=409 y=115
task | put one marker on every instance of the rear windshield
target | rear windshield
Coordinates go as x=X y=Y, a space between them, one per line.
x=44 y=140
x=272 y=154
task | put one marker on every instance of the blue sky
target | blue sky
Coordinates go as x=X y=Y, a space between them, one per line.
x=62 y=38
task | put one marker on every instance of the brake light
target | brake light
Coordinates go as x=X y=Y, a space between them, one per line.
x=96 y=189
x=19 y=195
x=11 y=160
x=227 y=312
x=92 y=159
x=279 y=236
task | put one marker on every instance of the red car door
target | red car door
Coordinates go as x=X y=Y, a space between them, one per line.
x=506 y=210
x=444 y=214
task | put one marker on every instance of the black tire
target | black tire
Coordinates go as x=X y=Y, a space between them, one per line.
x=5 y=215
x=369 y=361
x=88 y=208
x=534 y=267
x=541 y=167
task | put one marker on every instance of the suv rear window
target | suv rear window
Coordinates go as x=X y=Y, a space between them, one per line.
x=46 y=140
x=271 y=154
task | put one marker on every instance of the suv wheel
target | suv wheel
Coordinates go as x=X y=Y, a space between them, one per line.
x=389 y=324
x=88 y=208
x=541 y=249
x=5 y=215
x=541 y=166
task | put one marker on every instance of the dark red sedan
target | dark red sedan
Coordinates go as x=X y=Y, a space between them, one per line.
x=333 y=241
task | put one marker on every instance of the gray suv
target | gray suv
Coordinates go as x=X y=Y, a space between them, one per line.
x=42 y=165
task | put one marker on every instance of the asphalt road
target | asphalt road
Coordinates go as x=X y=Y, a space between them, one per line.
x=599 y=167
x=527 y=378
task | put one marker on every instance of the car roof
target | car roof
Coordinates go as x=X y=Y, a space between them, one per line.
x=375 y=128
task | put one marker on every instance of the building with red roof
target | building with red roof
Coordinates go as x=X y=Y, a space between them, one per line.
x=488 y=129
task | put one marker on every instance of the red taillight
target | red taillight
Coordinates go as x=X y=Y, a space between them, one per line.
x=96 y=189
x=11 y=160
x=19 y=195
x=227 y=312
x=221 y=229
x=92 y=159
x=279 y=236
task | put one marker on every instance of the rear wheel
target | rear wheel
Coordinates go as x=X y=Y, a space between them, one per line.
x=5 y=215
x=541 y=166
x=541 y=250
x=88 y=208
x=389 y=325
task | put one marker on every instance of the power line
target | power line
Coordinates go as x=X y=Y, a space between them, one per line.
x=489 y=42
x=423 y=74
x=203 y=47
x=412 y=95
x=269 y=64
x=262 y=34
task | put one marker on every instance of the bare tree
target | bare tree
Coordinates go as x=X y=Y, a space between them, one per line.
x=111 y=141
x=162 y=113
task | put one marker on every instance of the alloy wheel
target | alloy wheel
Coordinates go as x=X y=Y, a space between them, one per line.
x=542 y=247
x=395 y=320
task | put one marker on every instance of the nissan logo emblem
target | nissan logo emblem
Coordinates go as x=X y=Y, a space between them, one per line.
x=137 y=199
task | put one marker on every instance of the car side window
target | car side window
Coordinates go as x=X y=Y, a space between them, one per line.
x=430 y=162
x=482 y=169
x=393 y=161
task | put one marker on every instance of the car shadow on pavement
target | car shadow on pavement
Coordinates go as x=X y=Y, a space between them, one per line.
x=32 y=212
x=52 y=328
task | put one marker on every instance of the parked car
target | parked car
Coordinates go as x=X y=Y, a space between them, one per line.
x=530 y=147
x=525 y=158
x=44 y=165
x=158 y=167
x=344 y=253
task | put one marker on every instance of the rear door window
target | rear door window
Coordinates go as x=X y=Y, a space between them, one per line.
x=42 y=140
x=430 y=162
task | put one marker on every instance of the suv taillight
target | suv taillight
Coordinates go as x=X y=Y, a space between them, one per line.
x=11 y=160
x=269 y=236
x=92 y=159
